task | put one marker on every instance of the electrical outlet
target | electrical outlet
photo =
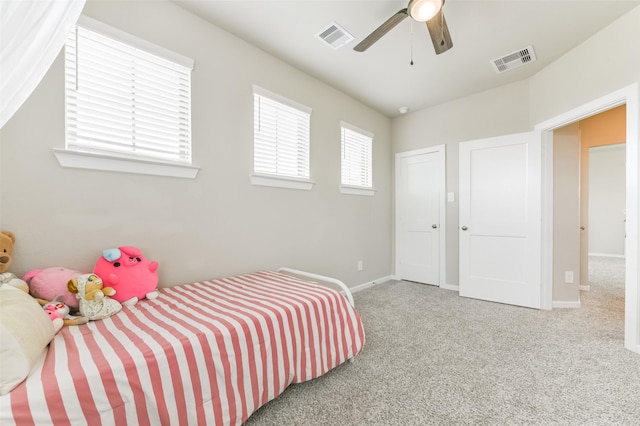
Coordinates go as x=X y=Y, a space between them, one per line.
x=568 y=277
x=359 y=265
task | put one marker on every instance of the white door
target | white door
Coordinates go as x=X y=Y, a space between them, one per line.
x=419 y=214
x=500 y=219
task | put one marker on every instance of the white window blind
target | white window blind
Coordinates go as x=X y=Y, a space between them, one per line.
x=356 y=156
x=123 y=99
x=281 y=136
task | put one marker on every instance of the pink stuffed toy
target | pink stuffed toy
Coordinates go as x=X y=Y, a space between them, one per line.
x=129 y=273
x=51 y=284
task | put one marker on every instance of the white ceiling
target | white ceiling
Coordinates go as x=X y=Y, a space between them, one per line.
x=382 y=77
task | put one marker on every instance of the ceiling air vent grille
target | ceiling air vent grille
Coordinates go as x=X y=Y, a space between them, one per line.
x=514 y=60
x=334 y=35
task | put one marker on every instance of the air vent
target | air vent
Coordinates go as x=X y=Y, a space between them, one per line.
x=514 y=60
x=334 y=35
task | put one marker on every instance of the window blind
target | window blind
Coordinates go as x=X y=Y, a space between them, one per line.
x=281 y=136
x=125 y=101
x=356 y=156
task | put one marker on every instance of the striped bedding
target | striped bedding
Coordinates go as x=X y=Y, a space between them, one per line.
x=209 y=353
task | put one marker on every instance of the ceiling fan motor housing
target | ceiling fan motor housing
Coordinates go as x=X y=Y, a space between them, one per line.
x=423 y=10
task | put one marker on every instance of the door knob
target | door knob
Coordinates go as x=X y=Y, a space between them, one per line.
x=434 y=226
x=464 y=228
x=582 y=228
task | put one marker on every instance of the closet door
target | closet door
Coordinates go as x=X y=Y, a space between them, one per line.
x=419 y=215
x=500 y=219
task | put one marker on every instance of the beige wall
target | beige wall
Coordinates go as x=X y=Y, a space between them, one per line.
x=218 y=224
x=566 y=213
x=606 y=62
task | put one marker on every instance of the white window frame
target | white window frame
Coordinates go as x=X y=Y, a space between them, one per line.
x=74 y=157
x=368 y=139
x=281 y=180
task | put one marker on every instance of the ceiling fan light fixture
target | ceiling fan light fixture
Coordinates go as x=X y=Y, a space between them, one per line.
x=423 y=10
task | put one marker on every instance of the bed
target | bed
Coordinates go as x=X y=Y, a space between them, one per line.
x=206 y=353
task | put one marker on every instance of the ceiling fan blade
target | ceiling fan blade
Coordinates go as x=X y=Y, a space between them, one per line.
x=377 y=34
x=439 y=33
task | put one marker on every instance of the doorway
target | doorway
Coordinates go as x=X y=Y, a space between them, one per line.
x=587 y=151
x=626 y=96
x=605 y=236
x=603 y=163
x=606 y=201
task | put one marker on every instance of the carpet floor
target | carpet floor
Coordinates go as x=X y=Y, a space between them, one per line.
x=434 y=358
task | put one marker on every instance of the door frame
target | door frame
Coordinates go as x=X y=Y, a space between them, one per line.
x=440 y=151
x=630 y=96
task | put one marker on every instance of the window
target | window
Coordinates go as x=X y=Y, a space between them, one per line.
x=281 y=141
x=356 y=160
x=126 y=99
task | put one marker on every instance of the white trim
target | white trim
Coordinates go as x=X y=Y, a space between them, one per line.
x=441 y=150
x=571 y=305
x=366 y=285
x=546 y=196
x=617 y=256
x=450 y=287
x=257 y=90
x=356 y=129
x=127 y=38
x=630 y=96
x=357 y=190
x=92 y=161
x=281 y=182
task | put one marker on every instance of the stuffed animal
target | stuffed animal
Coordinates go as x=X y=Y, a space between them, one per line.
x=58 y=309
x=51 y=284
x=7 y=240
x=95 y=302
x=129 y=273
x=56 y=319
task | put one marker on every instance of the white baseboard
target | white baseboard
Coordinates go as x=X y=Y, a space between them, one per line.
x=561 y=304
x=361 y=287
x=618 y=256
x=443 y=286
x=450 y=287
x=585 y=287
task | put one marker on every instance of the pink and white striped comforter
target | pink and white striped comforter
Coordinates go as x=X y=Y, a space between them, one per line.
x=205 y=353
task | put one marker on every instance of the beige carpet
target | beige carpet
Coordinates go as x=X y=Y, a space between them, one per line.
x=432 y=357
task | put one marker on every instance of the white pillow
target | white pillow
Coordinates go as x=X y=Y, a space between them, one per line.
x=25 y=332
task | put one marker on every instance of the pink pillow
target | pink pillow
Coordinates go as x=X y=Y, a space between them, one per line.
x=50 y=283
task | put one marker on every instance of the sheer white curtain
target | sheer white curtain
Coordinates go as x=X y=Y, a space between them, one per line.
x=32 y=33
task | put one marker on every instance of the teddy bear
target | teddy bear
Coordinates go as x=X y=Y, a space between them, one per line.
x=94 y=298
x=7 y=240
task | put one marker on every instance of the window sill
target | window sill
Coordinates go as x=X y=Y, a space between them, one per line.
x=357 y=190
x=282 y=182
x=85 y=160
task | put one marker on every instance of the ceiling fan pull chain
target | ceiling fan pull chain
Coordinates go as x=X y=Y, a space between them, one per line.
x=411 y=42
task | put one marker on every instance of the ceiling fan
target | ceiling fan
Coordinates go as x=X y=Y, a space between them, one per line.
x=428 y=11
